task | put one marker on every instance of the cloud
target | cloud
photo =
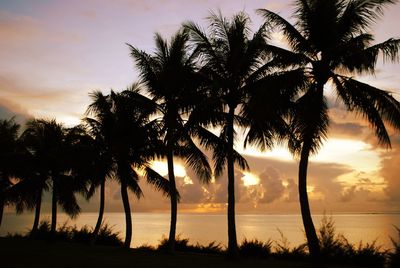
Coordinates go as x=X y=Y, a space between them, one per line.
x=390 y=171
x=292 y=193
x=271 y=182
x=9 y=109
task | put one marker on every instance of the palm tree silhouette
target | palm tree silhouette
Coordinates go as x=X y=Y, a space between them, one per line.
x=9 y=146
x=96 y=169
x=234 y=69
x=120 y=123
x=52 y=152
x=171 y=81
x=330 y=39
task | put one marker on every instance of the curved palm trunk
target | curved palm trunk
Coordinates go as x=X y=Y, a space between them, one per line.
x=54 y=209
x=128 y=217
x=101 y=211
x=232 y=240
x=174 y=201
x=312 y=238
x=38 y=206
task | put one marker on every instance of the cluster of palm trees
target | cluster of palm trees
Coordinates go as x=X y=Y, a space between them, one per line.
x=200 y=83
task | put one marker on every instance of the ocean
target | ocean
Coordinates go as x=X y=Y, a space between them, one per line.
x=150 y=228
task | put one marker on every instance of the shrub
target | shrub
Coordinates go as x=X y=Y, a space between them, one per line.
x=255 y=248
x=106 y=235
x=394 y=256
x=182 y=245
x=282 y=249
x=335 y=248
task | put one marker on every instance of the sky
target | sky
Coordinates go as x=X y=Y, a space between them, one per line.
x=53 y=53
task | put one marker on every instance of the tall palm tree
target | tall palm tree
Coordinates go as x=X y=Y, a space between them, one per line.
x=8 y=152
x=331 y=39
x=172 y=83
x=120 y=122
x=236 y=68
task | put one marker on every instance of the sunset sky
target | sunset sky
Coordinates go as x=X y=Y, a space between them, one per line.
x=53 y=53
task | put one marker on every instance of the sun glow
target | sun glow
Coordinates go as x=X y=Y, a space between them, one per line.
x=355 y=153
x=162 y=168
x=358 y=154
x=250 y=179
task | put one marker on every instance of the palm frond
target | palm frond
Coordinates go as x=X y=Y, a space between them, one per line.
x=359 y=15
x=309 y=121
x=361 y=59
x=159 y=182
x=296 y=40
x=373 y=104
x=196 y=160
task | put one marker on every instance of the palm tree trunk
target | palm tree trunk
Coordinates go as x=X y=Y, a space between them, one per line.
x=312 y=238
x=174 y=201
x=232 y=240
x=1 y=209
x=54 y=209
x=101 y=210
x=128 y=217
x=38 y=206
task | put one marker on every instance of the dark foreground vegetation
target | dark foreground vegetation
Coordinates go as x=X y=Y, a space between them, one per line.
x=72 y=245
x=20 y=252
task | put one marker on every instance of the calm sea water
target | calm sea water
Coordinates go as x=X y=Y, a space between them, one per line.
x=149 y=228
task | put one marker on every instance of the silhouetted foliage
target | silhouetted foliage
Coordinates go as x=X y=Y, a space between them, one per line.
x=106 y=236
x=229 y=58
x=335 y=248
x=9 y=151
x=330 y=43
x=121 y=123
x=283 y=250
x=52 y=161
x=183 y=245
x=394 y=256
x=255 y=248
x=174 y=88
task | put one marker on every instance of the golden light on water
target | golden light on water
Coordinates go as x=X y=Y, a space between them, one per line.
x=250 y=179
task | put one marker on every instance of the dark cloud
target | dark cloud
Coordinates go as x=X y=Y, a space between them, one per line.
x=9 y=110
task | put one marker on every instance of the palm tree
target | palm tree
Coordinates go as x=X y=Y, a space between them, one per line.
x=97 y=170
x=9 y=146
x=52 y=153
x=236 y=71
x=330 y=39
x=171 y=81
x=120 y=123
x=90 y=167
